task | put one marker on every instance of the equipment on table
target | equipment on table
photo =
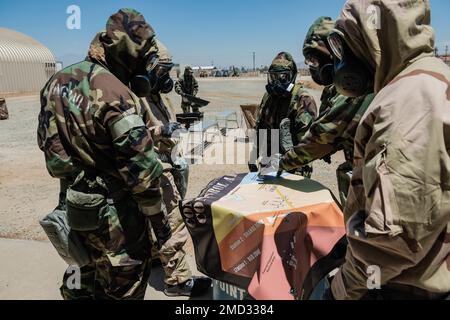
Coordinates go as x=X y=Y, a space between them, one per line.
x=188 y=119
x=263 y=237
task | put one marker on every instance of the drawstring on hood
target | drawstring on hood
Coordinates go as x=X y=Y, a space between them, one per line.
x=125 y=46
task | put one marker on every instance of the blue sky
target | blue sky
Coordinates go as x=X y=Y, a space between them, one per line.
x=196 y=32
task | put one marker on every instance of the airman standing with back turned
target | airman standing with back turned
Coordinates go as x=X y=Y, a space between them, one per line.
x=187 y=84
x=160 y=118
x=94 y=139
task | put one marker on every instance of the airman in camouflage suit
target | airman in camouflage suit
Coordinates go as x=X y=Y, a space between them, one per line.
x=339 y=117
x=91 y=123
x=295 y=104
x=187 y=85
x=160 y=117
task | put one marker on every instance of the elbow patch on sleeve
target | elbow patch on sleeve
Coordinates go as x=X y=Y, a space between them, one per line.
x=125 y=124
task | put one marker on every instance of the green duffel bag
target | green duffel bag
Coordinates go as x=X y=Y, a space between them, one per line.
x=86 y=203
x=66 y=243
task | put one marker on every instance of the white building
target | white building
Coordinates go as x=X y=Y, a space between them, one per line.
x=25 y=64
x=204 y=70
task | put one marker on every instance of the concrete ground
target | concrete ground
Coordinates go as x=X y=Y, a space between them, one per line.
x=32 y=270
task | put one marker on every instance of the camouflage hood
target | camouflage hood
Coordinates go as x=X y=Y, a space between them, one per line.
x=163 y=53
x=317 y=36
x=188 y=72
x=283 y=62
x=121 y=48
x=405 y=36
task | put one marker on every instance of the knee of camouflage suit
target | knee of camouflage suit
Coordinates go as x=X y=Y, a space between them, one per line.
x=87 y=284
x=176 y=268
x=179 y=236
x=121 y=282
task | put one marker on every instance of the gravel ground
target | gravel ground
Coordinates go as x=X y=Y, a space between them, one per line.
x=27 y=192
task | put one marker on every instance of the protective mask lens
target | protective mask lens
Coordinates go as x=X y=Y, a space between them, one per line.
x=312 y=62
x=336 y=44
x=281 y=77
x=140 y=85
x=152 y=63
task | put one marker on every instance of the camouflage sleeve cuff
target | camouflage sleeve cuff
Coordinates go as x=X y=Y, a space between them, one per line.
x=150 y=201
x=287 y=163
x=153 y=209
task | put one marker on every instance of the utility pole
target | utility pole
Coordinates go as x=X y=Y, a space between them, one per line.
x=254 y=60
x=446 y=51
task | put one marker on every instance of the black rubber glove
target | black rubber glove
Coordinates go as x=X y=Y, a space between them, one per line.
x=280 y=168
x=169 y=128
x=327 y=159
x=252 y=167
x=161 y=227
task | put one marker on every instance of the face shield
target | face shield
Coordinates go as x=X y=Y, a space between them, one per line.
x=282 y=77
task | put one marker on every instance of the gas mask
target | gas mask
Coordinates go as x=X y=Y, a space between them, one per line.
x=280 y=83
x=321 y=69
x=156 y=80
x=351 y=76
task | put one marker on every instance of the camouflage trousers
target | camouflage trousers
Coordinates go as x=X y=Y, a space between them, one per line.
x=186 y=107
x=121 y=257
x=102 y=281
x=344 y=177
x=172 y=253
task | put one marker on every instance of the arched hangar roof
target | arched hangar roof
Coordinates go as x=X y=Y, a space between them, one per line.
x=18 y=47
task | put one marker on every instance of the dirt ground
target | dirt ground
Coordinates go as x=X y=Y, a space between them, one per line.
x=27 y=192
